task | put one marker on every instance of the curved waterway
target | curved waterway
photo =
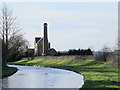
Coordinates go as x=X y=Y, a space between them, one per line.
x=42 y=77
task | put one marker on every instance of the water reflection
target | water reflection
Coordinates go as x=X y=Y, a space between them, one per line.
x=40 y=77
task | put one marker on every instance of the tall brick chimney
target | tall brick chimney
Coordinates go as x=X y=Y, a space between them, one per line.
x=45 y=40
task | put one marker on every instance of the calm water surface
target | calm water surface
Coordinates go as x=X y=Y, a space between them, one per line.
x=41 y=77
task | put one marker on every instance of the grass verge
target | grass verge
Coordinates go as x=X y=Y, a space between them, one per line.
x=7 y=71
x=97 y=74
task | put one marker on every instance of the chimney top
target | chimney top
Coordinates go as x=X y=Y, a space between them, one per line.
x=45 y=24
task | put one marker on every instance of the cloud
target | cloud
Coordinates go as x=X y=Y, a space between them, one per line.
x=82 y=26
x=42 y=10
x=35 y=15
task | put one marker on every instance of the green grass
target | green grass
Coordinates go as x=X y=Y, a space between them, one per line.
x=96 y=74
x=7 y=71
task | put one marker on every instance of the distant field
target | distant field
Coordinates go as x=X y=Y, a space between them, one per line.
x=96 y=74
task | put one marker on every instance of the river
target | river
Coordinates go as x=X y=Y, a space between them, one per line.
x=42 y=77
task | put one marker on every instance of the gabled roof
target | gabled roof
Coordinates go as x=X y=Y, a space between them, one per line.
x=37 y=39
x=40 y=40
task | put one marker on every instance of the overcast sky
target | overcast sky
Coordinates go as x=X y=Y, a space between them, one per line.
x=70 y=25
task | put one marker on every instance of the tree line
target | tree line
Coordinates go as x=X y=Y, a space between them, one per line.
x=13 y=42
x=75 y=52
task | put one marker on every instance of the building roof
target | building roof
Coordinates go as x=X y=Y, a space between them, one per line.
x=40 y=40
x=37 y=39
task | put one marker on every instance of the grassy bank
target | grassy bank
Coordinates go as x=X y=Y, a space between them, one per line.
x=7 y=71
x=96 y=74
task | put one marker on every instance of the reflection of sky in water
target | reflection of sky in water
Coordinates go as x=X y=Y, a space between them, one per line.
x=39 y=77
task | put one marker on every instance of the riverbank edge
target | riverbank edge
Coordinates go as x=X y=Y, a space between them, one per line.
x=47 y=67
x=64 y=68
x=9 y=74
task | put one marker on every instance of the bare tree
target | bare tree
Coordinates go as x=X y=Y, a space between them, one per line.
x=17 y=46
x=104 y=54
x=10 y=33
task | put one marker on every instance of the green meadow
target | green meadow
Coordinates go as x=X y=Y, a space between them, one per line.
x=97 y=74
x=7 y=71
